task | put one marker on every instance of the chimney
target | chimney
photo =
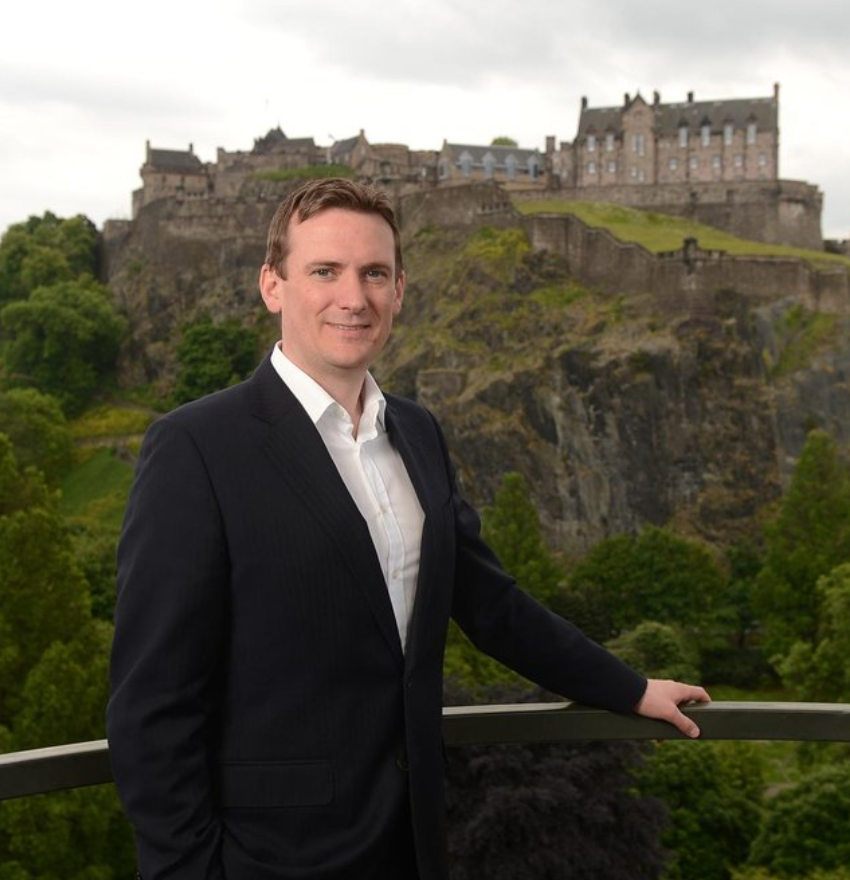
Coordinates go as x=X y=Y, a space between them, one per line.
x=191 y=147
x=147 y=151
x=584 y=102
x=550 y=143
x=656 y=98
x=626 y=98
x=690 y=97
x=776 y=92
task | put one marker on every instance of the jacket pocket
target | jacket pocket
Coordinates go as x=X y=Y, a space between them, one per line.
x=276 y=784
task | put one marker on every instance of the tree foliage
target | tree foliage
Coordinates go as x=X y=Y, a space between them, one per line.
x=820 y=669
x=35 y=424
x=713 y=794
x=549 y=811
x=53 y=688
x=658 y=650
x=62 y=340
x=658 y=576
x=807 y=539
x=43 y=251
x=503 y=141
x=213 y=356
x=807 y=827
x=511 y=527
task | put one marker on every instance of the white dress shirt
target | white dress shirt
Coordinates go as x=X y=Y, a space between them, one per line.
x=374 y=475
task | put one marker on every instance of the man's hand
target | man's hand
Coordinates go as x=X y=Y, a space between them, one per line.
x=662 y=699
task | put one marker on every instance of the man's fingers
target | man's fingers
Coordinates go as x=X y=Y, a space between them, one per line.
x=684 y=724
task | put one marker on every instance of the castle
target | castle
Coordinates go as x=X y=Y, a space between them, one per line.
x=714 y=161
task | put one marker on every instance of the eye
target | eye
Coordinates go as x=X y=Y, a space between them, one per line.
x=323 y=272
x=376 y=274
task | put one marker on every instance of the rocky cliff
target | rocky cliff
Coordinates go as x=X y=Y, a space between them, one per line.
x=619 y=410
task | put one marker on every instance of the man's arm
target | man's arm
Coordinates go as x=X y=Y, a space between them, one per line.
x=510 y=625
x=170 y=630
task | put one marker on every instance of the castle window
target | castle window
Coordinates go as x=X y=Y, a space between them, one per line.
x=694 y=163
x=444 y=168
x=633 y=172
x=591 y=143
x=489 y=164
x=612 y=167
x=533 y=169
x=609 y=142
x=762 y=160
x=715 y=162
x=641 y=175
x=674 y=163
x=639 y=144
x=739 y=160
x=751 y=132
x=683 y=135
x=465 y=163
x=705 y=134
x=727 y=134
x=591 y=167
x=510 y=164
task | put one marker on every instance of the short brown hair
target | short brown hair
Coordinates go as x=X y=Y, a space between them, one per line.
x=320 y=195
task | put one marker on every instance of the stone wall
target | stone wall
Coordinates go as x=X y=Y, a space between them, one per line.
x=777 y=212
x=600 y=260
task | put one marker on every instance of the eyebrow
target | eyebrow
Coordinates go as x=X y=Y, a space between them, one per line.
x=337 y=264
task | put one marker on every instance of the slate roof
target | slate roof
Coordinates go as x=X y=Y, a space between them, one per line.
x=275 y=141
x=340 y=148
x=668 y=117
x=177 y=161
x=500 y=154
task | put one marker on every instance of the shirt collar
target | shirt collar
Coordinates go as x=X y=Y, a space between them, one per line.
x=316 y=401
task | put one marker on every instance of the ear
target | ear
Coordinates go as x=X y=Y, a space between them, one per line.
x=271 y=289
x=398 y=297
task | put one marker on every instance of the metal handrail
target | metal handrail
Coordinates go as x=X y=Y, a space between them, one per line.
x=39 y=771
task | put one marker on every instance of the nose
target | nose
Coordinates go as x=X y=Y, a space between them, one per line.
x=351 y=294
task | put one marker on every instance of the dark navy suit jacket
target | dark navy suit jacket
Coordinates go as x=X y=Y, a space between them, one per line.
x=264 y=721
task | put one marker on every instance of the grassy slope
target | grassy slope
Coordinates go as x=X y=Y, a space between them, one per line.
x=664 y=232
x=96 y=488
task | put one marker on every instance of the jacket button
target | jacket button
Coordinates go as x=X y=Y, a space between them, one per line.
x=401 y=763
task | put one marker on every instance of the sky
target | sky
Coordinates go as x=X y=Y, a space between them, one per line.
x=84 y=85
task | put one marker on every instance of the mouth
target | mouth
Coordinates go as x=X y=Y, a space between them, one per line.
x=349 y=328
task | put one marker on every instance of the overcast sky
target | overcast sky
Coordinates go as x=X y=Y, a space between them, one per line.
x=83 y=84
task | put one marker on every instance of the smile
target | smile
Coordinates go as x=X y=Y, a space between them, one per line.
x=350 y=328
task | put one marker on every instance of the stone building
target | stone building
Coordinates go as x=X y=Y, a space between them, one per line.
x=170 y=174
x=645 y=144
x=511 y=166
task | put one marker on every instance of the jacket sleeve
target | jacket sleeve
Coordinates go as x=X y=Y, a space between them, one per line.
x=504 y=621
x=170 y=635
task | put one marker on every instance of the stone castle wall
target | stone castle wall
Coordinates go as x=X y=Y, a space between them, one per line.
x=600 y=260
x=776 y=212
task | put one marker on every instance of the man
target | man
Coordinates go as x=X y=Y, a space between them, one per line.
x=293 y=549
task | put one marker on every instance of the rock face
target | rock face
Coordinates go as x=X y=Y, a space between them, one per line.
x=620 y=411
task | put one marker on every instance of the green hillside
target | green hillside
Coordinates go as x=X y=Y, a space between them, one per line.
x=665 y=232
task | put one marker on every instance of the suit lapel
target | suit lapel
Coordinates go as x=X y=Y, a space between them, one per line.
x=295 y=447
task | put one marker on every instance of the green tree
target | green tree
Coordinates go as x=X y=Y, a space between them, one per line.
x=809 y=537
x=713 y=795
x=213 y=356
x=658 y=650
x=43 y=251
x=53 y=688
x=656 y=576
x=511 y=526
x=35 y=424
x=62 y=340
x=820 y=669
x=503 y=141
x=807 y=827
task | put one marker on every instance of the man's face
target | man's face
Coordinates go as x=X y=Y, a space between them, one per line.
x=340 y=293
